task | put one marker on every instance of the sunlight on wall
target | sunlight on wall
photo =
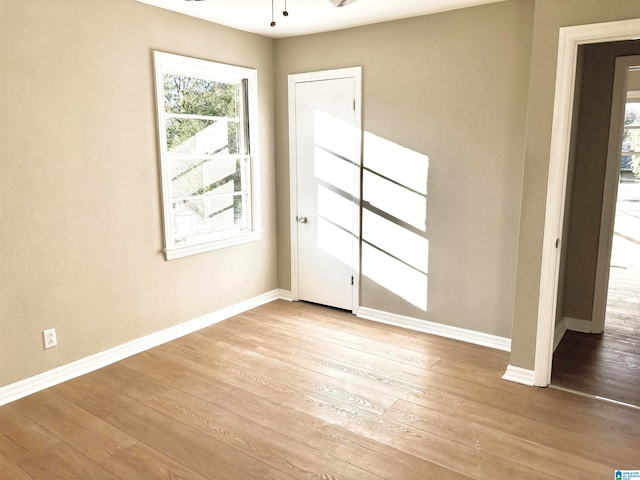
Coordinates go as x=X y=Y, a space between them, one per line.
x=402 y=165
x=397 y=241
x=394 y=199
x=395 y=248
x=395 y=276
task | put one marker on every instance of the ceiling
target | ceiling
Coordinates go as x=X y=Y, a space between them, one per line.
x=307 y=16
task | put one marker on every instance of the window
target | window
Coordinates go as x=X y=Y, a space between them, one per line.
x=207 y=130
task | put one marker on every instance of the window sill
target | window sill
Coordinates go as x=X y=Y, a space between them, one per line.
x=188 y=250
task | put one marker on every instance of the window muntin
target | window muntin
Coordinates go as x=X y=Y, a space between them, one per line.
x=206 y=115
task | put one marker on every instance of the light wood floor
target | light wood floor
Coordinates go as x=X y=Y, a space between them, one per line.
x=606 y=365
x=300 y=391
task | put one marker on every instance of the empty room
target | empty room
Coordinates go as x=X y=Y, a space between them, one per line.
x=291 y=239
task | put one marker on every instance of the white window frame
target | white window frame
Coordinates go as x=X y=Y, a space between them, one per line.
x=167 y=63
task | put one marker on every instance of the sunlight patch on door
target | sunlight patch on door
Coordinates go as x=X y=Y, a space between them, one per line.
x=333 y=170
x=335 y=208
x=335 y=136
x=335 y=241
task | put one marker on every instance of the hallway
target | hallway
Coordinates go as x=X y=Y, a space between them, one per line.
x=608 y=365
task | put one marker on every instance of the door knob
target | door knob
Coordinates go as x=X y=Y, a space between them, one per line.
x=301 y=219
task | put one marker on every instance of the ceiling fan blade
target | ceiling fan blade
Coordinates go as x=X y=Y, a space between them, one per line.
x=341 y=3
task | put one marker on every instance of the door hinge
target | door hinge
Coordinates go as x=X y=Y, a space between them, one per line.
x=354 y=104
x=557 y=242
x=351 y=279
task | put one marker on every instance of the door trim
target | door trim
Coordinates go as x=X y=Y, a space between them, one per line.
x=293 y=79
x=569 y=41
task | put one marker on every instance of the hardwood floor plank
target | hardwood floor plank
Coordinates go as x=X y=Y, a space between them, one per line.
x=301 y=378
x=607 y=347
x=323 y=375
x=409 y=362
x=386 y=335
x=20 y=437
x=177 y=440
x=625 y=432
x=606 y=386
x=389 y=351
x=387 y=462
x=510 y=447
x=266 y=445
x=177 y=376
x=411 y=384
x=81 y=430
x=10 y=471
x=63 y=462
x=297 y=377
x=544 y=432
x=142 y=462
x=426 y=445
x=226 y=371
x=386 y=341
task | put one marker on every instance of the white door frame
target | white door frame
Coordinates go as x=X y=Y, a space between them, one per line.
x=356 y=74
x=611 y=180
x=570 y=39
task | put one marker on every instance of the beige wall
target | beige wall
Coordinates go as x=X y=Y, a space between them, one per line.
x=81 y=231
x=451 y=86
x=550 y=16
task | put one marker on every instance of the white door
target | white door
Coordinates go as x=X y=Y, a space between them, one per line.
x=325 y=167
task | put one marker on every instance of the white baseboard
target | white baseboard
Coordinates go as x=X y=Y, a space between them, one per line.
x=561 y=329
x=285 y=295
x=519 y=375
x=88 y=364
x=456 y=333
x=577 y=324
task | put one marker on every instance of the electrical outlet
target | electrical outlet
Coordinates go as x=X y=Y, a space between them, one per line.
x=50 y=339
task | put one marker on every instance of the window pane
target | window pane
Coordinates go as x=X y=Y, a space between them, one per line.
x=197 y=96
x=632 y=114
x=206 y=177
x=207 y=215
x=631 y=140
x=202 y=137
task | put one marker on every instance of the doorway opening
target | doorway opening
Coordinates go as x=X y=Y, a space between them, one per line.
x=570 y=39
x=600 y=353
